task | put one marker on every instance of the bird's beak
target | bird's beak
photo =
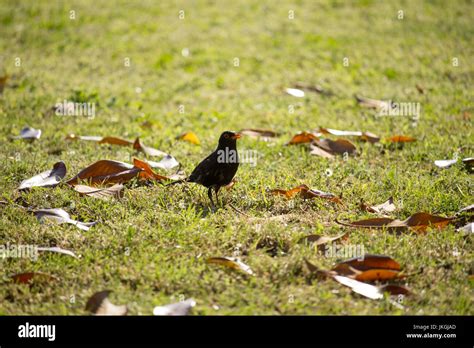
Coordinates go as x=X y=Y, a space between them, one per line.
x=237 y=136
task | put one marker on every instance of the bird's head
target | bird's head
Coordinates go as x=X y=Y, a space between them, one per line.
x=228 y=139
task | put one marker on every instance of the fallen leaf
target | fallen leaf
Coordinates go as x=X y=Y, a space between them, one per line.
x=377 y=275
x=179 y=308
x=48 y=178
x=60 y=216
x=417 y=222
x=29 y=133
x=256 y=133
x=168 y=162
x=99 y=304
x=401 y=139
x=312 y=88
x=106 y=171
x=373 y=103
x=57 y=250
x=231 y=262
x=369 y=261
x=361 y=288
x=3 y=82
x=189 y=137
x=295 y=92
x=386 y=207
x=306 y=193
x=84 y=137
x=394 y=289
x=365 y=136
x=469 y=228
x=317 y=151
x=320 y=241
x=138 y=145
x=303 y=137
x=115 y=141
x=107 y=193
x=147 y=172
x=445 y=163
x=29 y=277
x=468 y=209
x=339 y=146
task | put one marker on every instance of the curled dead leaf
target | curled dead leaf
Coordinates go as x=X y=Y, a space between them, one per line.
x=30 y=277
x=107 y=193
x=138 y=145
x=301 y=138
x=60 y=216
x=99 y=304
x=339 y=146
x=364 y=136
x=418 y=222
x=105 y=172
x=230 y=262
x=48 y=178
x=29 y=133
x=258 y=133
x=306 y=193
x=401 y=139
x=179 y=308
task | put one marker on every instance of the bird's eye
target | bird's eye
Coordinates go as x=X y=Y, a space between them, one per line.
x=226 y=135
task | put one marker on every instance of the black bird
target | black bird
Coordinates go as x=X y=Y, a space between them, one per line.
x=217 y=169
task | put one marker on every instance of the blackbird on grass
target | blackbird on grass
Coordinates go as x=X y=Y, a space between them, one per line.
x=217 y=169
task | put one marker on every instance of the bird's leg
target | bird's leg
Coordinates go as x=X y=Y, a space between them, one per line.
x=209 y=194
x=216 y=189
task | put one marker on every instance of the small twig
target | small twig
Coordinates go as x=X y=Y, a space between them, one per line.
x=237 y=210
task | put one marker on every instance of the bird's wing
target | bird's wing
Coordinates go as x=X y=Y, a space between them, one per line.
x=204 y=169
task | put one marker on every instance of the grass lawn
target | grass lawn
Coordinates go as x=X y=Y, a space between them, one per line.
x=150 y=247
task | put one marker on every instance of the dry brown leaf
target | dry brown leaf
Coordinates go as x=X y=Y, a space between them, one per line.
x=48 y=178
x=401 y=139
x=257 y=133
x=99 y=304
x=30 y=277
x=377 y=275
x=179 y=308
x=231 y=262
x=321 y=241
x=105 y=172
x=189 y=137
x=306 y=193
x=338 y=146
x=301 y=138
x=386 y=207
x=3 y=82
x=365 y=136
x=115 y=141
x=418 y=222
x=137 y=145
x=373 y=103
x=147 y=172
x=369 y=261
x=317 y=151
x=106 y=193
